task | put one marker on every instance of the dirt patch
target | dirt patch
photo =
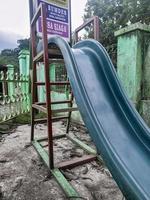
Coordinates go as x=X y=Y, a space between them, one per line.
x=24 y=177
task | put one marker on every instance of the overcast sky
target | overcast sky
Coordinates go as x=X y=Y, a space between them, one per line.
x=14 y=19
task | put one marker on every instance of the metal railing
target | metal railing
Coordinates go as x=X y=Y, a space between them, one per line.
x=96 y=29
x=16 y=100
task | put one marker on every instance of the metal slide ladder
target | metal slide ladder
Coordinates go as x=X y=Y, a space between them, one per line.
x=47 y=56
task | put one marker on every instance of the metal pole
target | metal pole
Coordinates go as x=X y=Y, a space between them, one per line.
x=33 y=67
x=96 y=28
x=95 y=21
x=48 y=87
x=70 y=23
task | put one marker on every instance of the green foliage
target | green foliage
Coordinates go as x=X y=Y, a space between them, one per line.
x=9 y=56
x=23 y=44
x=23 y=119
x=115 y=14
x=26 y=118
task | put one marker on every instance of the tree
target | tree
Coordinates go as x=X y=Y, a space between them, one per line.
x=116 y=14
x=9 y=56
x=10 y=52
x=23 y=44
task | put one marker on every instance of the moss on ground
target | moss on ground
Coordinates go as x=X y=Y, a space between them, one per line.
x=26 y=118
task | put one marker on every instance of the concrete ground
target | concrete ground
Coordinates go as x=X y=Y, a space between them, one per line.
x=24 y=177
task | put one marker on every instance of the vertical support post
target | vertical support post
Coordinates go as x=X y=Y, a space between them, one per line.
x=145 y=101
x=70 y=23
x=48 y=87
x=28 y=72
x=28 y=62
x=129 y=61
x=32 y=66
x=24 y=57
x=96 y=28
x=133 y=65
x=31 y=9
x=4 y=83
x=69 y=115
x=11 y=86
x=24 y=68
x=34 y=79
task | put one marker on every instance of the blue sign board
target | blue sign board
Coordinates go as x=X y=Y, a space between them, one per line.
x=58 y=18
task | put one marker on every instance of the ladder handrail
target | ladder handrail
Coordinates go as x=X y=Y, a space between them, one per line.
x=95 y=21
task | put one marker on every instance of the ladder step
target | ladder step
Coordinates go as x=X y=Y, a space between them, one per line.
x=61 y=61
x=40 y=120
x=38 y=57
x=64 y=110
x=40 y=103
x=60 y=83
x=61 y=102
x=52 y=53
x=53 y=83
x=76 y=162
x=44 y=109
x=45 y=139
x=54 y=102
x=40 y=108
x=54 y=119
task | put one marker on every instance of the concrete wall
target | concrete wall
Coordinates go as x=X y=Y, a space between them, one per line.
x=133 y=65
x=129 y=54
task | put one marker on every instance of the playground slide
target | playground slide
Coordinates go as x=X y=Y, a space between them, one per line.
x=119 y=133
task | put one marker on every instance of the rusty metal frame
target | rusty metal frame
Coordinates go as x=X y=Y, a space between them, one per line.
x=48 y=158
x=95 y=21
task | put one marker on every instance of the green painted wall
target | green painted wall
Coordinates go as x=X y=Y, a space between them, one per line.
x=41 y=78
x=24 y=62
x=24 y=84
x=133 y=65
x=146 y=67
x=11 y=85
x=129 y=63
